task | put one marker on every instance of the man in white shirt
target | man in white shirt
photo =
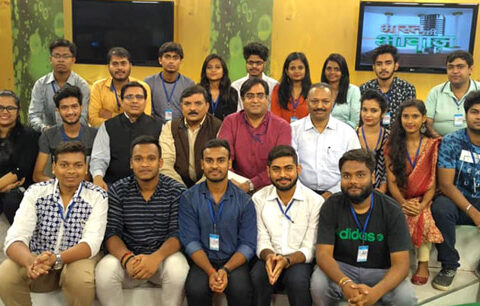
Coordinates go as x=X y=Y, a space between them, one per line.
x=287 y=220
x=256 y=56
x=320 y=140
x=56 y=234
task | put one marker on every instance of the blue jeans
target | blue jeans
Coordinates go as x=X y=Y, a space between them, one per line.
x=325 y=292
x=447 y=215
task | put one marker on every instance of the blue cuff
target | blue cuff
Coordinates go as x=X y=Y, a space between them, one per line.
x=246 y=251
x=192 y=247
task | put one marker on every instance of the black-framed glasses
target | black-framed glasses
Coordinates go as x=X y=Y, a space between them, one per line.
x=9 y=108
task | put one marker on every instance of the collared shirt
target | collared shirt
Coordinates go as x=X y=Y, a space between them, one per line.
x=400 y=91
x=103 y=96
x=238 y=84
x=349 y=112
x=319 y=153
x=454 y=153
x=44 y=224
x=160 y=102
x=442 y=105
x=143 y=225
x=42 y=109
x=192 y=136
x=276 y=232
x=236 y=225
x=249 y=147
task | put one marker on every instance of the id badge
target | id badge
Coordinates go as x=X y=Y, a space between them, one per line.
x=458 y=120
x=362 y=254
x=214 y=241
x=387 y=119
x=293 y=119
x=168 y=115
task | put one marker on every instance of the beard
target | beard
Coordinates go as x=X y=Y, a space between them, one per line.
x=216 y=179
x=287 y=187
x=357 y=199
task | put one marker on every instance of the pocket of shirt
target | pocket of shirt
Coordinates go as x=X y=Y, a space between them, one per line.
x=333 y=156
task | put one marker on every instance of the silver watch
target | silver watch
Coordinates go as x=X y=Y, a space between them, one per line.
x=58 y=262
x=250 y=185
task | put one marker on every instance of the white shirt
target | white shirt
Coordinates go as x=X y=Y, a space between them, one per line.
x=319 y=153
x=276 y=232
x=238 y=84
x=38 y=218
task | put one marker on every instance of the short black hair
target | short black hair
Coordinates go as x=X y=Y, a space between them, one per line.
x=252 y=82
x=195 y=89
x=255 y=48
x=471 y=99
x=66 y=92
x=466 y=56
x=63 y=43
x=383 y=49
x=145 y=139
x=282 y=151
x=132 y=84
x=69 y=147
x=11 y=94
x=170 y=46
x=373 y=94
x=120 y=52
x=359 y=155
x=216 y=143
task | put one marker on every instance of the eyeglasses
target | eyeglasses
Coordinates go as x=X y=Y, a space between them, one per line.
x=9 y=109
x=255 y=63
x=131 y=97
x=62 y=56
x=259 y=95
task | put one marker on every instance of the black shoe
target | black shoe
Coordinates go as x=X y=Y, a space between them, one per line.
x=444 y=279
x=477 y=270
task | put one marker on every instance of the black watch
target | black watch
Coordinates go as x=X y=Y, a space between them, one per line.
x=288 y=260
x=226 y=270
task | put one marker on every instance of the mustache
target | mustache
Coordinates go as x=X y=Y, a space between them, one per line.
x=320 y=109
x=193 y=113
x=283 y=178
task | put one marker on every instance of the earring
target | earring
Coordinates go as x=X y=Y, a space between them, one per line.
x=423 y=129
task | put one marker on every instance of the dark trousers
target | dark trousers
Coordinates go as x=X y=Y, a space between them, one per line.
x=238 y=291
x=9 y=203
x=296 y=281
x=447 y=215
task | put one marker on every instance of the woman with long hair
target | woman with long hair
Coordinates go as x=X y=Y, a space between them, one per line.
x=345 y=95
x=214 y=78
x=288 y=98
x=372 y=134
x=18 y=151
x=411 y=155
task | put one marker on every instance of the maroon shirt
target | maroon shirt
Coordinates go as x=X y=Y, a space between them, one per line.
x=250 y=146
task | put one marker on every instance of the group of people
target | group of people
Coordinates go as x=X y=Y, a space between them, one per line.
x=236 y=188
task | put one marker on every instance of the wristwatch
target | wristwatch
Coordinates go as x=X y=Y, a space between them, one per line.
x=250 y=186
x=58 y=262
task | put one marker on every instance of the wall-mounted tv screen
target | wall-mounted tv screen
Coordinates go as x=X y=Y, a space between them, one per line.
x=423 y=33
x=139 y=26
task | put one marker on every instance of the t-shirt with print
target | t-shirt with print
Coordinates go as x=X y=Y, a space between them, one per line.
x=455 y=154
x=386 y=231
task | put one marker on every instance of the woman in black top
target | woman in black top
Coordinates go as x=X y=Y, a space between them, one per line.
x=214 y=78
x=18 y=151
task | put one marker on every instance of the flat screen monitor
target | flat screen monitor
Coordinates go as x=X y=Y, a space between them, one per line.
x=423 y=33
x=139 y=26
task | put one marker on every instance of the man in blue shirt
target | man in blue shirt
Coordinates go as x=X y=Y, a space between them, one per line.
x=458 y=170
x=218 y=229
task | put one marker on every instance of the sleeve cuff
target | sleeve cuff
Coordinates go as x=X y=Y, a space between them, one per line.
x=97 y=172
x=308 y=254
x=192 y=247
x=246 y=251
x=94 y=249
x=8 y=244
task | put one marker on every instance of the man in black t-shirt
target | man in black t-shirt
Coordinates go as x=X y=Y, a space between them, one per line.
x=362 y=242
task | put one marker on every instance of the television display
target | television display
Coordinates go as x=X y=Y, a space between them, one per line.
x=423 y=33
x=139 y=26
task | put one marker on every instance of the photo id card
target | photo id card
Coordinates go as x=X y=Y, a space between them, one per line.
x=293 y=119
x=214 y=242
x=387 y=118
x=168 y=114
x=362 y=254
x=458 y=120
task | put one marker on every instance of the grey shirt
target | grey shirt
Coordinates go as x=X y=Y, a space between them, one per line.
x=53 y=136
x=42 y=110
x=160 y=101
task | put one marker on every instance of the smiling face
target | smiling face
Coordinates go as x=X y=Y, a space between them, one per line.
x=371 y=113
x=215 y=164
x=214 y=70
x=9 y=112
x=283 y=173
x=255 y=101
x=70 y=169
x=412 y=120
x=119 y=68
x=320 y=104
x=296 y=70
x=194 y=108
x=62 y=60
x=145 y=162
x=70 y=110
x=133 y=101
x=333 y=73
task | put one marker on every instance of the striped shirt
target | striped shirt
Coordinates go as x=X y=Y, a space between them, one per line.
x=143 y=225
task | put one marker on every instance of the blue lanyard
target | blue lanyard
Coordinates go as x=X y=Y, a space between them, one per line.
x=213 y=105
x=255 y=136
x=416 y=154
x=354 y=214
x=169 y=96
x=387 y=96
x=378 y=141
x=284 y=212
x=212 y=215
x=112 y=88
x=295 y=103
x=65 y=138
x=53 y=88
x=60 y=207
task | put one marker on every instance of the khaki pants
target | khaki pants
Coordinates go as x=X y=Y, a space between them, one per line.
x=76 y=279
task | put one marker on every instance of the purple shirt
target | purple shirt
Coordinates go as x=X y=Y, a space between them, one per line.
x=250 y=146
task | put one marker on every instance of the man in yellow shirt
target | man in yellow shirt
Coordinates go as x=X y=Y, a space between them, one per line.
x=105 y=94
